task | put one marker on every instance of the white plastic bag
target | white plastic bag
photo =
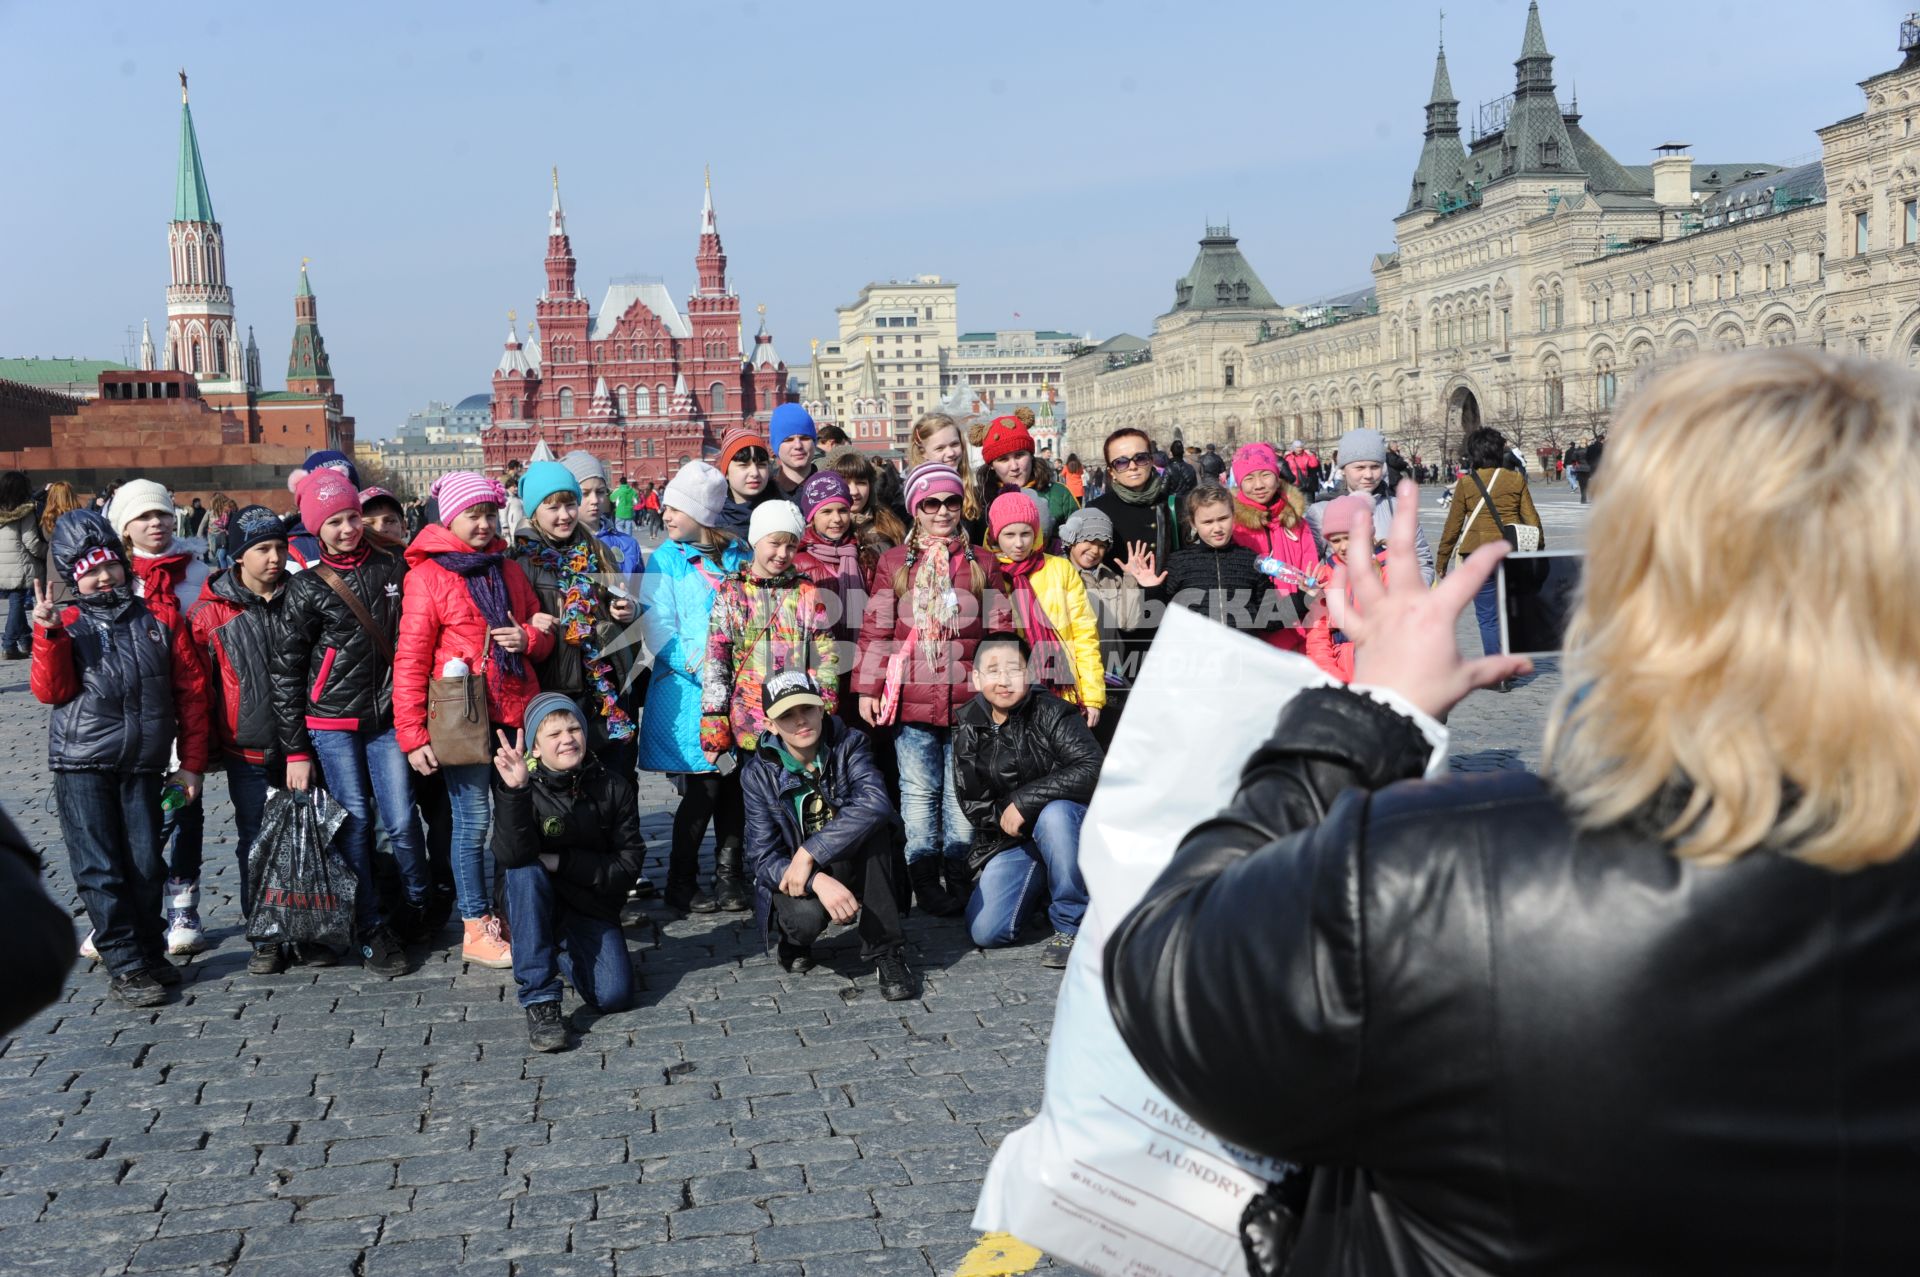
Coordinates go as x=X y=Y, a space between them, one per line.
x=1112 y=1176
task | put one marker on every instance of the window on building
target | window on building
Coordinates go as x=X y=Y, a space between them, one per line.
x=1911 y=221
x=1607 y=386
x=1786 y=273
x=566 y=402
x=1860 y=233
x=913 y=321
x=929 y=314
x=1542 y=325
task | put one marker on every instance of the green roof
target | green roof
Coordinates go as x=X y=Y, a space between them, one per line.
x=1220 y=278
x=56 y=372
x=191 y=200
x=305 y=289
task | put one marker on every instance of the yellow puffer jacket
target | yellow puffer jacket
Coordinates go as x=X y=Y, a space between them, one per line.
x=1062 y=595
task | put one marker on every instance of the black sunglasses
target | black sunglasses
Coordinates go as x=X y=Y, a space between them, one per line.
x=933 y=505
x=1128 y=463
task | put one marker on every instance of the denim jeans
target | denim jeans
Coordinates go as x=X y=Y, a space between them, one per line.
x=1486 y=610
x=183 y=835
x=551 y=941
x=469 y=792
x=363 y=768
x=19 y=637
x=111 y=824
x=929 y=803
x=1044 y=867
x=247 y=785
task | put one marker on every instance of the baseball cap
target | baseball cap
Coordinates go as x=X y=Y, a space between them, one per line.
x=788 y=689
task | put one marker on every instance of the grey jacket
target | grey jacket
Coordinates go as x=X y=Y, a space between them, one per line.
x=1384 y=505
x=23 y=549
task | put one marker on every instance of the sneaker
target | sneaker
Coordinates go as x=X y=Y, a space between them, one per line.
x=1055 y=952
x=546 y=1031
x=484 y=943
x=87 y=950
x=797 y=958
x=268 y=959
x=382 y=953
x=136 y=989
x=896 y=980
x=185 y=935
x=165 y=973
x=643 y=888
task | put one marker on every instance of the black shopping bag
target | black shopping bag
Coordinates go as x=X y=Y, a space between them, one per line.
x=303 y=892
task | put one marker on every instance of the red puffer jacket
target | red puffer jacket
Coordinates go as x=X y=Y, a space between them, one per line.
x=440 y=621
x=933 y=690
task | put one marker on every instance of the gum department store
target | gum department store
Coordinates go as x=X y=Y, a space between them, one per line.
x=1536 y=279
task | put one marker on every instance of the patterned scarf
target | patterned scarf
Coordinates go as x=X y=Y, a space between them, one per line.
x=1050 y=659
x=487 y=587
x=934 y=604
x=574 y=565
x=849 y=582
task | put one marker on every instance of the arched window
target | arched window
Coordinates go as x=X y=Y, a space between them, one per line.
x=219 y=355
x=195 y=355
x=717 y=397
x=566 y=402
x=640 y=405
x=621 y=398
x=660 y=396
x=513 y=407
x=212 y=278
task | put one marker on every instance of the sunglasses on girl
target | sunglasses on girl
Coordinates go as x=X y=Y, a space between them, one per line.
x=933 y=505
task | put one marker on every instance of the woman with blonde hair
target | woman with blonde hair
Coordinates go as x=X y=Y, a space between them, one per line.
x=60 y=498
x=1648 y=1013
x=938 y=438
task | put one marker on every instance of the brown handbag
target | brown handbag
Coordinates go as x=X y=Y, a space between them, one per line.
x=457 y=720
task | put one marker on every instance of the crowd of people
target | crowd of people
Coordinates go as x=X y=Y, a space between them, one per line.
x=877 y=690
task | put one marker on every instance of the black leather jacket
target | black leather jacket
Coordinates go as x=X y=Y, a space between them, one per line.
x=1043 y=753
x=326 y=671
x=589 y=816
x=1508 y=1047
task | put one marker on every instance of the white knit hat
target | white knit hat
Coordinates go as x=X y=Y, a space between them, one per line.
x=770 y=517
x=698 y=491
x=134 y=498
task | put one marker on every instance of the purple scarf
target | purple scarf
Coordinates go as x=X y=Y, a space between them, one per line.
x=487 y=587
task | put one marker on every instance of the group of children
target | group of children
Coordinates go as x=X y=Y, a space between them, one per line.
x=870 y=704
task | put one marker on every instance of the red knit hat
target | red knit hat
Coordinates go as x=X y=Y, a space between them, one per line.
x=1006 y=436
x=736 y=440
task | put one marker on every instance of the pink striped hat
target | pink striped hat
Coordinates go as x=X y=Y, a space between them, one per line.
x=460 y=490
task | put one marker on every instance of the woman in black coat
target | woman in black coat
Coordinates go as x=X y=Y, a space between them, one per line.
x=1650 y=1016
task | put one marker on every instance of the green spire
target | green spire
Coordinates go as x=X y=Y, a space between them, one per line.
x=305 y=289
x=1535 y=43
x=191 y=200
x=1442 y=84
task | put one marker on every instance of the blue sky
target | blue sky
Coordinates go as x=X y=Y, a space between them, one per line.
x=1057 y=159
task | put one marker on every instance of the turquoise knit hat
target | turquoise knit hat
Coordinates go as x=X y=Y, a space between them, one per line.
x=542 y=480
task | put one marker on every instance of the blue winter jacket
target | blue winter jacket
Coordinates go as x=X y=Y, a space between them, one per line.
x=676 y=604
x=854 y=789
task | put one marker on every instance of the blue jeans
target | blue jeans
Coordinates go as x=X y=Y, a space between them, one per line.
x=1486 y=610
x=550 y=941
x=247 y=785
x=19 y=635
x=362 y=768
x=1044 y=867
x=111 y=825
x=929 y=804
x=183 y=835
x=469 y=791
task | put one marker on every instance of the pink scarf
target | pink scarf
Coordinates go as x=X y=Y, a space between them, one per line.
x=1051 y=661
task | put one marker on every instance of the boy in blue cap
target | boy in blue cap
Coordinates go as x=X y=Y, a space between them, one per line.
x=794 y=440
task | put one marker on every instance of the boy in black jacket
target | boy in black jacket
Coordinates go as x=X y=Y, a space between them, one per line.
x=820 y=834
x=1024 y=766
x=566 y=833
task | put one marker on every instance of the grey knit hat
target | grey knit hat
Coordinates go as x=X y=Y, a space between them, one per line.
x=548 y=703
x=583 y=465
x=1087 y=525
x=1362 y=444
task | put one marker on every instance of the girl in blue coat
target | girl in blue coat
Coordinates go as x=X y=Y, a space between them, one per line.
x=676 y=604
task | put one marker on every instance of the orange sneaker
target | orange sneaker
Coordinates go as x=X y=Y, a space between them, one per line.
x=485 y=942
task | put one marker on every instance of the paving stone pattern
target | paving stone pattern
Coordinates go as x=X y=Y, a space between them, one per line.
x=326 y=1123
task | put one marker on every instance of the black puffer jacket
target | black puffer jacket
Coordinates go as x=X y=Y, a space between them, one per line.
x=1505 y=1046
x=564 y=670
x=1043 y=753
x=1228 y=586
x=236 y=630
x=589 y=816
x=326 y=670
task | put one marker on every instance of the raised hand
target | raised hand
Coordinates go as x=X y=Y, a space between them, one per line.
x=45 y=614
x=1402 y=631
x=510 y=760
x=1140 y=566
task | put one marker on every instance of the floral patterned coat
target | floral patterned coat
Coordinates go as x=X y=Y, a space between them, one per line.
x=760 y=628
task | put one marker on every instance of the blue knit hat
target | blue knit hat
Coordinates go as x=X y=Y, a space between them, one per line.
x=790 y=419
x=544 y=478
x=544 y=704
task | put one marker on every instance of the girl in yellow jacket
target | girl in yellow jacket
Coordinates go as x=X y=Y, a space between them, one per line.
x=1050 y=606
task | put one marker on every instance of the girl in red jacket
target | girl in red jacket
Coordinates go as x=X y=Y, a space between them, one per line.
x=1270 y=518
x=931 y=603
x=1327 y=647
x=466 y=600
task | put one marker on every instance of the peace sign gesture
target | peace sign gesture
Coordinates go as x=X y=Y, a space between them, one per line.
x=510 y=760
x=45 y=614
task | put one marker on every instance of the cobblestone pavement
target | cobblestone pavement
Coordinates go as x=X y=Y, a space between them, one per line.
x=324 y=1123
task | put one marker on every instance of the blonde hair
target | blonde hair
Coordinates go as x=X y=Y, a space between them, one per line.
x=1744 y=646
x=931 y=424
x=60 y=499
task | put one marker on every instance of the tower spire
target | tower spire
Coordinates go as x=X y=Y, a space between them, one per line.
x=146 y=347
x=706 y=207
x=201 y=337
x=308 y=371
x=1442 y=157
x=556 y=216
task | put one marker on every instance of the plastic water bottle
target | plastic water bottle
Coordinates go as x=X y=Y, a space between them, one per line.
x=173 y=797
x=455 y=668
x=1269 y=566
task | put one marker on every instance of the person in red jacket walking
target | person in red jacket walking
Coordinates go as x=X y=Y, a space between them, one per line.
x=467 y=601
x=129 y=696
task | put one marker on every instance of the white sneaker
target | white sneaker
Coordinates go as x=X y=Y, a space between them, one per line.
x=185 y=935
x=87 y=950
